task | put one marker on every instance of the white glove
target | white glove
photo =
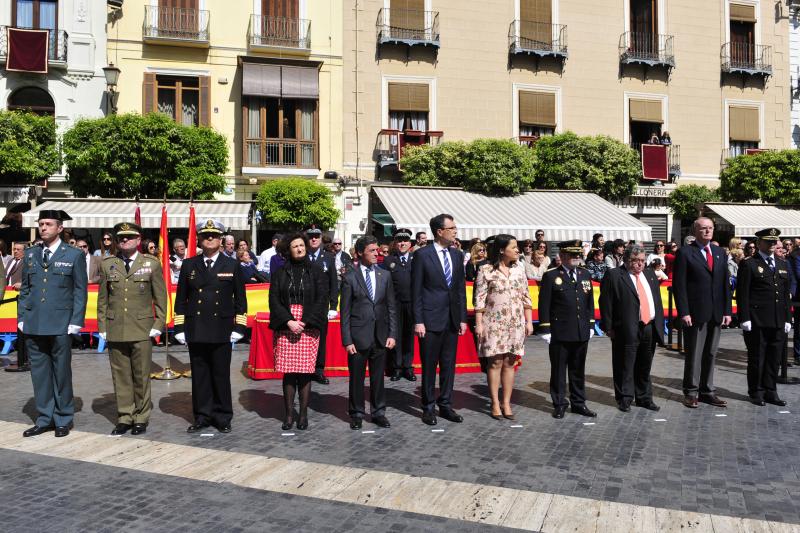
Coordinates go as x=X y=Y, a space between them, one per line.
x=180 y=337
x=19 y=326
x=746 y=326
x=332 y=315
x=154 y=333
x=235 y=336
x=72 y=329
x=591 y=333
x=101 y=334
x=787 y=327
x=546 y=337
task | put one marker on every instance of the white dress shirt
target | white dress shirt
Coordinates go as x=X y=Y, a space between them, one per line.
x=439 y=254
x=53 y=247
x=213 y=260
x=265 y=258
x=10 y=269
x=371 y=275
x=647 y=291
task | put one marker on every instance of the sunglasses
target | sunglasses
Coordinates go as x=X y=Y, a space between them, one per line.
x=208 y=237
x=83 y=246
x=106 y=238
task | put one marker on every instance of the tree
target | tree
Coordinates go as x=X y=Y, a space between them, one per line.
x=772 y=177
x=294 y=203
x=437 y=166
x=28 y=148
x=685 y=201
x=125 y=156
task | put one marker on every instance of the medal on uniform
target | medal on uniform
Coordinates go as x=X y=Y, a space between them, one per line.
x=559 y=281
x=192 y=275
x=587 y=286
x=760 y=270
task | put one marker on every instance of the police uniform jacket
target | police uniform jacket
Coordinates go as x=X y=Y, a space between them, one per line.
x=52 y=296
x=210 y=304
x=130 y=304
x=566 y=309
x=762 y=296
x=327 y=262
x=401 y=276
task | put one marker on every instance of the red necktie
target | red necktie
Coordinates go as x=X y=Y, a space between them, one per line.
x=709 y=257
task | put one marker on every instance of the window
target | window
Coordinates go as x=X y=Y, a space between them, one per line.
x=535 y=24
x=744 y=129
x=36 y=14
x=409 y=106
x=32 y=99
x=184 y=98
x=280 y=132
x=537 y=115
x=646 y=120
x=644 y=26
x=742 y=30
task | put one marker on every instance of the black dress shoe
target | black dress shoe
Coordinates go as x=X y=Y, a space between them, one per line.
x=776 y=401
x=287 y=424
x=381 y=421
x=355 y=423
x=63 y=431
x=758 y=401
x=409 y=375
x=225 y=429
x=558 y=412
x=624 y=406
x=302 y=424
x=452 y=416
x=429 y=418
x=395 y=376
x=138 y=429
x=121 y=429
x=649 y=406
x=583 y=411
x=36 y=430
x=197 y=427
x=320 y=378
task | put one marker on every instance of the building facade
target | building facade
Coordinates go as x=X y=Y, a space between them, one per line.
x=714 y=75
x=794 y=62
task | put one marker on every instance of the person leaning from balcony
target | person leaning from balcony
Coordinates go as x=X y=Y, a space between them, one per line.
x=298 y=304
x=503 y=318
x=250 y=272
x=596 y=265
x=654 y=139
x=614 y=259
x=477 y=258
x=666 y=139
x=107 y=247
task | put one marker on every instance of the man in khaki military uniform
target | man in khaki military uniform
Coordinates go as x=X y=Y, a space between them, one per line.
x=131 y=308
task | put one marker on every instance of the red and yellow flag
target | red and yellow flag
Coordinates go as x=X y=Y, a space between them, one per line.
x=191 y=245
x=163 y=246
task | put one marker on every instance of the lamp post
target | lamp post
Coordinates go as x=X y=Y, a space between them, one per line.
x=112 y=77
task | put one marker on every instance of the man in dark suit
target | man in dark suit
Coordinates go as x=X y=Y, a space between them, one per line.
x=703 y=300
x=210 y=315
x=439 y=297
x=369 y=328
x=566 y=315
x=763 y=300
x=14 y=279
x=326 y=260
x=401 y=358
x=633 y=318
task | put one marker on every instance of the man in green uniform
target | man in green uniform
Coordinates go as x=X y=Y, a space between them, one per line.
x=131 y=308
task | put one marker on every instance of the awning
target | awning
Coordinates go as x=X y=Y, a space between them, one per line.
x=106 y=213
x=746 y=219
x=561 y=214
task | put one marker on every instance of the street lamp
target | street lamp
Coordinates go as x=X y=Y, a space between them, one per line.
x=112 y=77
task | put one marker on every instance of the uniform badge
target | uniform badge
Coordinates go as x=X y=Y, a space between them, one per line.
x=587 y=285
x=559 y=281
x=760 y=270
x=193 y=274
x=225 y=274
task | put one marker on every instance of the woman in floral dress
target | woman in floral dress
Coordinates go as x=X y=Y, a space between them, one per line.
x=502 y=319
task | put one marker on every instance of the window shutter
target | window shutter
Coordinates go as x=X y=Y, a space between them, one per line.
x=408 y=97
x=743 y=124
x=537 y=109
x=149 y=93
x=536 y=11
x=743 y=13
x=407 y=14
x=205 y=100
x=646 y=111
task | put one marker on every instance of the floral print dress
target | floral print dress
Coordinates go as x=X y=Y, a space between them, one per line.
x=503 y=301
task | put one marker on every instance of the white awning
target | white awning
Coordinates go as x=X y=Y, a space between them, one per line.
x=744 y=220
x=106 y=213
x=561 y=214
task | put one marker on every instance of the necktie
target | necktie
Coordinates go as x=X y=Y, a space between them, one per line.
x=403 y=261
x=448 y=273
x=313 y=258
x=572 y=276
x=368 y=278
x=644 y=305
x=11 y=270
x=127 y=264
x=47 y=253
x=770 y=264
x=209 y=262
x=709 y=257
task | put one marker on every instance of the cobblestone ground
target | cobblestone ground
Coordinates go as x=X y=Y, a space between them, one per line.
x=742 y=464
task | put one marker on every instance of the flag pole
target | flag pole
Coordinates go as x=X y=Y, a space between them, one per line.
x=190 y=252
x=166 y=373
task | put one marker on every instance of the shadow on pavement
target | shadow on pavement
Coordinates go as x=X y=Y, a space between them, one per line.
x=106 y=405
x=178 y=404
x=264 y=404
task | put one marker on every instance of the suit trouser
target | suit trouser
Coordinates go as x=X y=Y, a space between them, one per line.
x=323 y=336
x=796 y=337
x=51 y=374
x=402 y=355
x=211 y=382
x=568 y=358
x=357 y=365
x=700 y=343
x=764 y=350
x=438 y=348
x=22 y=350
x=631 y=365
x=130 y=371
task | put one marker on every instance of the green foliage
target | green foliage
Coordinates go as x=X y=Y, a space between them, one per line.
x=772 y=177
x=28 y=149
x=685 y=201
x=124 y=156
x=440 y=166
x=294 y=203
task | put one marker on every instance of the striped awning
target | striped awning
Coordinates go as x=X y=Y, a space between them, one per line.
x=561 y=214
x=744 y=220
x=105 y=213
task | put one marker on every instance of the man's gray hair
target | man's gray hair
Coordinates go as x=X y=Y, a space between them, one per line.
x=631 y=250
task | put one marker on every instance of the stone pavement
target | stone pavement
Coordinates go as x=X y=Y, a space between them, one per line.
x=743 y=464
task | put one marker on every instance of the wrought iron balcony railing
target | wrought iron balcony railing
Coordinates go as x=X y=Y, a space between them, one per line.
x=746 y=58
x=286 y=153
x=391 y=144
x=646 y=49
x=408 y=26
x=176 y=25
x=279 y=32
x=673 y=157
x=57 y=47
x=537 y=38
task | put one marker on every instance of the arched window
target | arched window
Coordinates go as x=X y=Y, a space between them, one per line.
x=32 y=99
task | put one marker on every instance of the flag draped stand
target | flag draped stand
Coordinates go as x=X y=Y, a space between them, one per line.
x=191 y=251
x=163 y=245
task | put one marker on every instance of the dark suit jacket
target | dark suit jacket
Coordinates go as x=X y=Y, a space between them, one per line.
x=315 y=297
x=365 y=322
x=566 y=310
x=15 y=271
x=327 y=262
x=619 y=305
x=436 y=305
x=763 y=296
x=703 y=294
x=94 y=268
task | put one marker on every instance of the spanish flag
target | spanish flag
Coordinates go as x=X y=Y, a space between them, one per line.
x=163 y=246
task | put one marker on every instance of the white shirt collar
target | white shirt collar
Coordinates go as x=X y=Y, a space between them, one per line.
x=766 y=256
x=213 y=258
x=53 y=247
x=364 y=268
x=439 y=247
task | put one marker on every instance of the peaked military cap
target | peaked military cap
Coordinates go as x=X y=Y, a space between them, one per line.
x=313 y=230
x=571 y=247
x=129 y=229
x=211 y=226
x=402 y=233
x=769 y=234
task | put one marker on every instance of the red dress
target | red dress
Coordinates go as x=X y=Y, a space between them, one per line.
x=296 y=352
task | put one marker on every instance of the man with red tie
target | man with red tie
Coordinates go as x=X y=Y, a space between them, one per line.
x=703 y=299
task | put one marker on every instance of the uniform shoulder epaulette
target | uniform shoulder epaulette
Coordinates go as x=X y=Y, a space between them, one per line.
x=550 y=269
x=106 y=258
x=150 y=256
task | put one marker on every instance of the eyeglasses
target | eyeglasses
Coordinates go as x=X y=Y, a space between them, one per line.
x=454 y=228
x=83 y=246
x=209 y=237
x=106 y=238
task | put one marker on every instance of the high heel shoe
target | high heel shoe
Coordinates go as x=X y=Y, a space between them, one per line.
x=509 y=416
x=493 y=415
x=302 y=424
x=287 y=424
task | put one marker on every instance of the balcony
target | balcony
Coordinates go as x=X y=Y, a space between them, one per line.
x=279 y=33
x=176 y=26
x=392 y=144
x=409 y=27
x=527 y=140
x=57 y=48
x=747 y=58
x=281 y=153
x=537 y=39
x=673 y=158
x=646 y=49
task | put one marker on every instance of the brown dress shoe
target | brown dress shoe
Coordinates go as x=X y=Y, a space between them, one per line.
x=690 y=402
x=713 y=399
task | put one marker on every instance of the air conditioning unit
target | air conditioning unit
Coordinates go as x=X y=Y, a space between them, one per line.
x=116 y=4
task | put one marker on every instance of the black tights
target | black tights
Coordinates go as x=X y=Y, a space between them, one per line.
x=291 y=383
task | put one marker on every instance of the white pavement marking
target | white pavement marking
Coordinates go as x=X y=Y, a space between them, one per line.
x=784 y=412
x=367 y=432
x=588 y=423
x=437 y=430
x=720 y=416
x=659 y=420
x=516 y=426
x=457 y=500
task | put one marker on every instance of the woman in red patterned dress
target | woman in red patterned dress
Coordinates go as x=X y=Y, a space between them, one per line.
x=298 y=306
